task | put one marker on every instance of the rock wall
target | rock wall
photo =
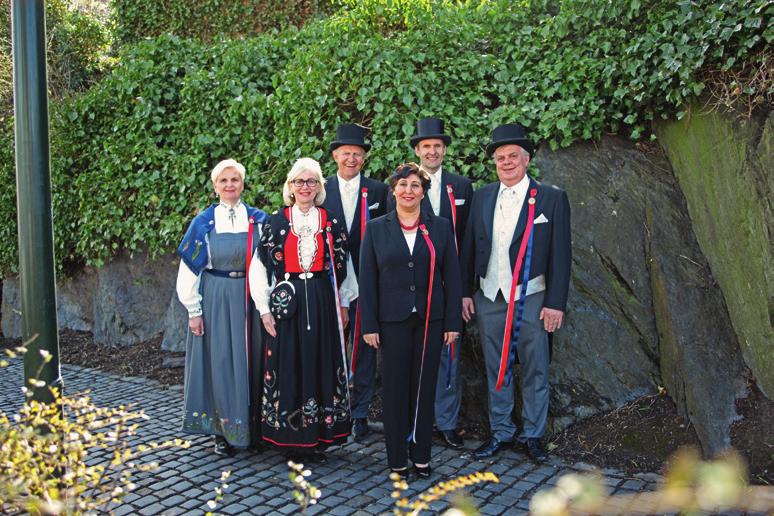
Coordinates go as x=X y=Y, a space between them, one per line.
x=123 y=303
x=644 y=310
x=725 y=167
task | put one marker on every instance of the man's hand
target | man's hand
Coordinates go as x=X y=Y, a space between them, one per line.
x=449 y=337
x=552 y=319
x=268 y=322
x=372 y=339
x=468 y=308
x=344 y=316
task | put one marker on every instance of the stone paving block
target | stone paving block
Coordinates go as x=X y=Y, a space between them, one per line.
x=145 y=501
x=173 y=501
x=493 y=509
x=340 y=510
x=535 y=476
x=234 y=508
x=124 y=510
x=192 y=503
x=378 y=508
x=155 y=508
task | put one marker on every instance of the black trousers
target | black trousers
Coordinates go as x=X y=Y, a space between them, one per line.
x=364 y=379
x=402 y=347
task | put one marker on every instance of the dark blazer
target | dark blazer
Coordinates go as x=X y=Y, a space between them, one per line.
x=377 y=206
x=462 y=188
x=551 y=248
x=392 y=282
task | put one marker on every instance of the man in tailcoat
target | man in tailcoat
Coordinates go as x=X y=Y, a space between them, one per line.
x=449 y=196
x=502 y=216
x=347 y=193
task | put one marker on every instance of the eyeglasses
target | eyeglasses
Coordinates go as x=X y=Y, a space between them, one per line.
x=311 y=183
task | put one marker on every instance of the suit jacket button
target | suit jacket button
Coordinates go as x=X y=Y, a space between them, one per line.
x=411 y=264
x=412 y=288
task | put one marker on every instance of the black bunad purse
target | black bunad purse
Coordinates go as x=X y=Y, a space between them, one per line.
x=283 y=301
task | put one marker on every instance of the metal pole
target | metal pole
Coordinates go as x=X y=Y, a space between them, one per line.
x=33 y=195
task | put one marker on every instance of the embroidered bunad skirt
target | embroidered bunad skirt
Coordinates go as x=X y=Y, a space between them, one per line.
x=305 y=400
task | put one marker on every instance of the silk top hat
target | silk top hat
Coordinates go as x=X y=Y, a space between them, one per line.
x=430 y=128
x=350 y=134
x=510 y=134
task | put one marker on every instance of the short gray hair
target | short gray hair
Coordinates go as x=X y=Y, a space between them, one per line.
x=299 y=167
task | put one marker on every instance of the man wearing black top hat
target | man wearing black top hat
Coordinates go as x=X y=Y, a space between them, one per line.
x=518 y=230
x=355 y=199
x=449 y=196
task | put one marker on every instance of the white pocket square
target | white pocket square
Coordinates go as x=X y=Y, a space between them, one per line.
x=459 y=202
x=541 y=219
x=373 y=206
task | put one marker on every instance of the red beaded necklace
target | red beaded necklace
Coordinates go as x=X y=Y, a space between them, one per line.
x=411 y=227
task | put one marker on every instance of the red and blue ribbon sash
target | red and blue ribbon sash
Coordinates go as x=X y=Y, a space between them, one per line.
x=365 y=216
x=334 y=285
x=250 y=228
x=453 y=205
x=426 y=234
x=508 y=356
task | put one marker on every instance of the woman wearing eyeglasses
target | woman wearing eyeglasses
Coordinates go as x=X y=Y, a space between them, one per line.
x=411 y=302
x=297 y=286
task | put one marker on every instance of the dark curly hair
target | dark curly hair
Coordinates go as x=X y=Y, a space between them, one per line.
x=404 y=170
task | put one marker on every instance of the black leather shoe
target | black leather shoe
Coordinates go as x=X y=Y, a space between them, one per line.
x=222 y=448
x=535 y=450
x=489 y=448
x=402 y=473
x=451 y=439
x=423 y=473
x=360 y=428
x=318 y=457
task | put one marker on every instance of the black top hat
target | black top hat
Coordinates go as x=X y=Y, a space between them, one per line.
x=510 y=134
x=430 y=128
x=350 y=134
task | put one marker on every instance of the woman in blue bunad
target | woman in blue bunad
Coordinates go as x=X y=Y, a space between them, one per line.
x=411 y=305
x=303 y=250
x=223 y=348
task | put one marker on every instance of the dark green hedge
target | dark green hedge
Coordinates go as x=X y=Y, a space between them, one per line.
x=131 y=156
x=205 y=19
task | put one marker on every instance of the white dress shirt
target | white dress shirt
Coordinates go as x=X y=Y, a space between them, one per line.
x=227 y=220
x=306 y=226
x=499 y=273
x=350 y=196
x=434 y=192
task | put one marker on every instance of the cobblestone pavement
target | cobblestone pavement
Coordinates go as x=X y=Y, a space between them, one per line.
x=354 y=481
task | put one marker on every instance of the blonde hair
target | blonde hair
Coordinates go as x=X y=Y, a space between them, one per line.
x=299 y=167
x=223 y=165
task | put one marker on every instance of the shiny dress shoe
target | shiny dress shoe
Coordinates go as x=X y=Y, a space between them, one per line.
x=489 y=448
x=360 y=428
x=402 y=473
x=222 y=447
x=318 y=457
x=423 y=472
x=535 y=450
x=451 y=439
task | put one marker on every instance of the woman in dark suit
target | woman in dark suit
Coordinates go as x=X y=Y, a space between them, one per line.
x=410 y=297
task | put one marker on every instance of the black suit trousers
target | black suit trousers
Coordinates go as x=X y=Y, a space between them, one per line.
x=402 y=366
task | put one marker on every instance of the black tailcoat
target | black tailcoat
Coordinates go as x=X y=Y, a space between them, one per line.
x=393 y=281
x=551 y=251
x=377 y=206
